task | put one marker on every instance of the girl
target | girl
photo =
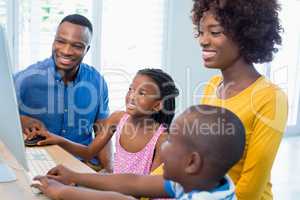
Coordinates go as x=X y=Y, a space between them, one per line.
x=234 y=35
x=150 y=106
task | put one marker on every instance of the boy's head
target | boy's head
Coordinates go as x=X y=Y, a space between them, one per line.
x=203 y=144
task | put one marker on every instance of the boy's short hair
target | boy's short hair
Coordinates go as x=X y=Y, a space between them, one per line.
x=216 y=133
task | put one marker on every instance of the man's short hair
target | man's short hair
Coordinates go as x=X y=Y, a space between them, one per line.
x=79 y=20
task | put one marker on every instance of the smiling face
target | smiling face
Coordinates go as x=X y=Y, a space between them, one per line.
x=218 y=50
x=70 y=45
x=143 y=96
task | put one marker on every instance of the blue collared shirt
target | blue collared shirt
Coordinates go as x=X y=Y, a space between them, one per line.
x=66 y=110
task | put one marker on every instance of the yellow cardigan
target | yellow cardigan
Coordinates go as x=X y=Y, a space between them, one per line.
x=262 y=107
x=157 y=171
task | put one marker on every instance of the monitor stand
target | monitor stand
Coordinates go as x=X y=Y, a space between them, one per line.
x=6 y=173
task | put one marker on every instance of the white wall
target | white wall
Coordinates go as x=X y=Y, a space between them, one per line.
x=183 y=54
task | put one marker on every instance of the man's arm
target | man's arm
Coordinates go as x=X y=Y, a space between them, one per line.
x=106 y=154
x=106 y=157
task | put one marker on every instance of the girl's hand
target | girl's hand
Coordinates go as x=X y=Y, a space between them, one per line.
x=50 y=138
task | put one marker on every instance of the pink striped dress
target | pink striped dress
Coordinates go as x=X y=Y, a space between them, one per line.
x=137 y=163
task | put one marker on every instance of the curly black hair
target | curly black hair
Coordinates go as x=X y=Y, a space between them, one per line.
x=253 y=24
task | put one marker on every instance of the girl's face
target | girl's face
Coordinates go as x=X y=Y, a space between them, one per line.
x=218 y=51
x=143 y=97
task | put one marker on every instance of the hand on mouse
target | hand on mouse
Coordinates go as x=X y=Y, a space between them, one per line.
x=50 y=138
x=31 y=127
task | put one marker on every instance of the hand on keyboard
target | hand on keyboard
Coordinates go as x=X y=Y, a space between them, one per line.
x=35 y=190
x=49 y=187
x=39 y=163
x=62 y=174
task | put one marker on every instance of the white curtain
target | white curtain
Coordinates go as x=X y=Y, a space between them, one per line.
x=3 y=12
x=133 y=37
x=38 y=22
x=129 y=35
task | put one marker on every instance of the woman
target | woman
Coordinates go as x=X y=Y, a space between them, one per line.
x=234 y=35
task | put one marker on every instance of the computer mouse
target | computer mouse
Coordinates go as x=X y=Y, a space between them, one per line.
x=33 y=142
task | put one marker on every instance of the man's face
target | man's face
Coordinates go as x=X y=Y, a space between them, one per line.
x=70 y=45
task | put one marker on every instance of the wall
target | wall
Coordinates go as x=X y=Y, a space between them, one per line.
x=183 y=55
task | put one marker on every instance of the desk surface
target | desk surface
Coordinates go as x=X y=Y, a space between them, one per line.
x=20 y=189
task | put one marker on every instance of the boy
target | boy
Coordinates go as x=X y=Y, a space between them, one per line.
x=203 y=144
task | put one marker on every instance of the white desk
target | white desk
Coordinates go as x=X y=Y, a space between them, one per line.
x=20 y=189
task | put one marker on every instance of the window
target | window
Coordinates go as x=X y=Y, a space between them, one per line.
x=129 y=35
x=132 y=39
x=38 y=23
x=285 y=67
x=3 y=12
x=284 y=70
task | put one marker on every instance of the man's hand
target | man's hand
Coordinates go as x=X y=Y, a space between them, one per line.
x=62 y=174
x=51 y=188
x=31 y=127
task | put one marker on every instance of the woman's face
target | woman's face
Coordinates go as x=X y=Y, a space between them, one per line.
x=218 y=50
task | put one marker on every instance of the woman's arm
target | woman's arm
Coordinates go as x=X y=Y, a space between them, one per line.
x=268 y=128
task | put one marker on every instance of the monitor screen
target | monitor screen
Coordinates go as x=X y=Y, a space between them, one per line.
x=10 y=125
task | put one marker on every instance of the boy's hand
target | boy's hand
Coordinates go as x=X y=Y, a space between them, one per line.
x=51 y=188
x=62 y=174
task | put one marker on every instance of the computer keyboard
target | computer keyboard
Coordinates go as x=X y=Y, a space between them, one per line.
x=39 y=162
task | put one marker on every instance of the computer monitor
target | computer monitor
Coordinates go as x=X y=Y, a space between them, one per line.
x=10 y=126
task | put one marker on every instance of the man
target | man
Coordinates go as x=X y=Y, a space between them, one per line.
x=61 y=94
